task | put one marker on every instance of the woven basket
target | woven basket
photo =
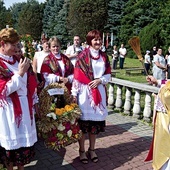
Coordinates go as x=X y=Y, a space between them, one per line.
x=58 y=125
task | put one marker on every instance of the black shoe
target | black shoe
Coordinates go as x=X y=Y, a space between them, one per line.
x=93 y=155
x=83 y=157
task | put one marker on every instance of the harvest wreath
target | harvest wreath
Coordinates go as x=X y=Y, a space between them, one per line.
x=58 y=125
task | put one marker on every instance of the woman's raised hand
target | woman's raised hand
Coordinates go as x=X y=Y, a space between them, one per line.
x=23 y=66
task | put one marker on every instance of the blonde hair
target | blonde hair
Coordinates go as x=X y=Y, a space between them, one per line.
x=9 y=35
x=54 y=39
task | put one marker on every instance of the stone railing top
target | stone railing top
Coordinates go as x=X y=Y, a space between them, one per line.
x=133 y=85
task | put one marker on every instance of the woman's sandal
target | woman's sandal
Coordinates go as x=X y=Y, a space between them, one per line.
x=93 y=155
x=83 y=157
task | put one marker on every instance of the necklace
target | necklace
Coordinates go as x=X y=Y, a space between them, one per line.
x=58 y=58
x=95 y=58
x=8 y=61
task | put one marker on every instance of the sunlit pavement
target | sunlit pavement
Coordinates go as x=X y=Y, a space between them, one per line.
x=123 y=146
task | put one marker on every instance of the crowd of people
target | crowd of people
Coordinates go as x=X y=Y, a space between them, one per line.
x=84 y=71
x=118 y=55
x=154 y=61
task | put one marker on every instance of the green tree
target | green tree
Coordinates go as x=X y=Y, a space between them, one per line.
x=149 y=36
x=140 y=18
x=30 y=19
x=137 y=15
x=60 y=28
x=50 y=19
x=86 y=15
x=5 y=16
x=115 y=14
x=15 y=11
x=164 y=26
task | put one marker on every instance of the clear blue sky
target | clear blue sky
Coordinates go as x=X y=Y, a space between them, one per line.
x=9 y=3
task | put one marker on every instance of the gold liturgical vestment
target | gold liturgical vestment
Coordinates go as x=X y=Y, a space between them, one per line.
x=161 y=147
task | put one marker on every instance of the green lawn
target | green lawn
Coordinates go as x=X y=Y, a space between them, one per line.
x=131 y=63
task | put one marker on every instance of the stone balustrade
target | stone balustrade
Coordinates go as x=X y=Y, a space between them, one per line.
x=125 y=96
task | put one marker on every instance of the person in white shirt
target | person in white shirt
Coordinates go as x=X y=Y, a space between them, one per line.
x=147 y=62
x=122 y=54
x=39 y=58
x=73 y=50
x=159 y=68
x=114 y=57
x=39 y=46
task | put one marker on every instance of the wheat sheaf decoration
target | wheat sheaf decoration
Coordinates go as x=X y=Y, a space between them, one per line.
x=134 y=42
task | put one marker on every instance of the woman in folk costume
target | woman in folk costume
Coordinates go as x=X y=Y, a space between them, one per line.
x=17 y=124
x=159 y=151
x=57 y=67
x=92 y=72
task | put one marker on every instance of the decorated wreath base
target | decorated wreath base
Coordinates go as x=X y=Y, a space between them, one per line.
x=58 y=125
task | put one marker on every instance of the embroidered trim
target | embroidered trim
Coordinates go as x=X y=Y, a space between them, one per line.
x=8 y=61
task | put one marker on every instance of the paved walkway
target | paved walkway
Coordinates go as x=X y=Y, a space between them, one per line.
x=123 y=146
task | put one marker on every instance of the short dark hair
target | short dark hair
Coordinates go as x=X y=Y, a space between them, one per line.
x=93 y=34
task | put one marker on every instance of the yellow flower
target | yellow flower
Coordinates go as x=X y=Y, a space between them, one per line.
x=76 y=136
x=58 y=112
x=73 y=105
x=53 y=143
x=63 y=110
x=68 y=108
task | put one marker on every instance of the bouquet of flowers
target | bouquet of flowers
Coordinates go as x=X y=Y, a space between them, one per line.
x=58 y=125
x=29 y=49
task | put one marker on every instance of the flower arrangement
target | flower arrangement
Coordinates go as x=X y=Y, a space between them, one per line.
x=29 y=49
x=58 y=125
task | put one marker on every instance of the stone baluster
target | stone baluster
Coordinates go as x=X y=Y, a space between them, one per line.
x=111 y=96
x=127 y=104
x=118 y=102
x=136 y=106
x=147 y=112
